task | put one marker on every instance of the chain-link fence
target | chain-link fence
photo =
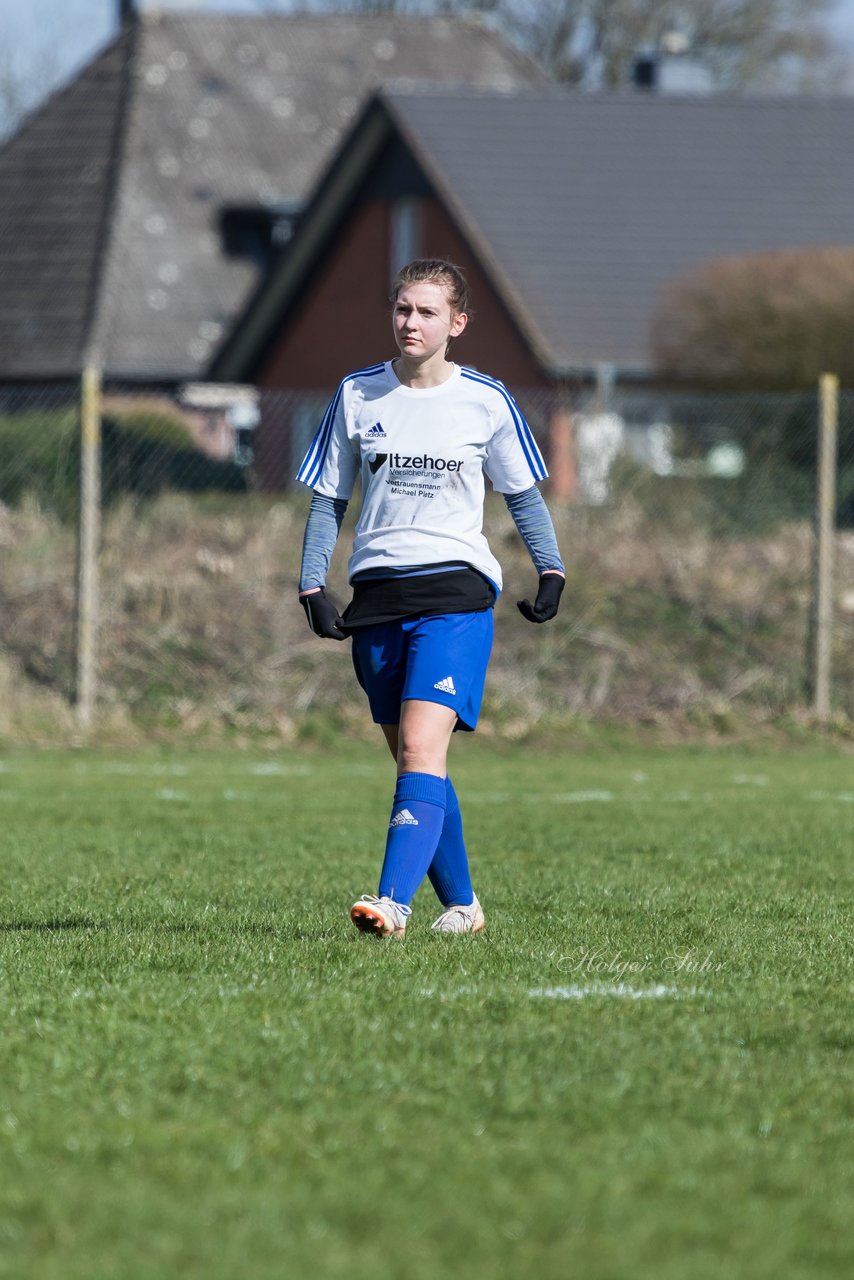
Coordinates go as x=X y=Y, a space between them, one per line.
x=687 y=523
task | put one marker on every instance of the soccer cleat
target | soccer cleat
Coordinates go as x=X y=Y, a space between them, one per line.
x=381 y=916
x=460 y=919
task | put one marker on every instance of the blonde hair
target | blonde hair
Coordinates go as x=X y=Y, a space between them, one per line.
x=435 y=271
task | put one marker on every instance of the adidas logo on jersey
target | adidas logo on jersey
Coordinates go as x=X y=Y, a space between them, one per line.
x=446 y=685
x=376 y=432
x=403 y=818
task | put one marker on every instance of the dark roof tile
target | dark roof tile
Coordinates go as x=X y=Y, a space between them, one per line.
x=219 y=110
x=597 y=200
x=55 y=178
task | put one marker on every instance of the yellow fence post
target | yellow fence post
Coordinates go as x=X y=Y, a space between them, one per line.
x=88 y=546
x=825 y=531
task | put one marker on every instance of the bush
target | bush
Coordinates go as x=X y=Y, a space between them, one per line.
x=767 y=321
x=40 y=456
x=770 y=322
x=144 y=451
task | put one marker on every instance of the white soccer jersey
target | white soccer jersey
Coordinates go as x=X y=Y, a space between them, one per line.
x=421 y=454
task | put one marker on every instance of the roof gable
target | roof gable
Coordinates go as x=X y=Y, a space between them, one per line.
x=219 y=109
x=617 y=193
x=581 y=206
x=56 y=178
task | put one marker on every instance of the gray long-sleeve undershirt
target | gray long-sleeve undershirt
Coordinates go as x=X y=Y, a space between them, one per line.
x=528 y=509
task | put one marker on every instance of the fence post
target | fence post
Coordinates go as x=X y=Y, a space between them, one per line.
x=89 y=537
x=825 y=528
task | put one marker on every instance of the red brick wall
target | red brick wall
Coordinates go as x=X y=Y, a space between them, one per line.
x=343 y=321
x=491 y=342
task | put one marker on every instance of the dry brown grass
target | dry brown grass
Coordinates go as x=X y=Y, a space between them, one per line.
x=662 y=625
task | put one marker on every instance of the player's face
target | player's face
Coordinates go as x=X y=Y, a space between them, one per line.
x=424 y=321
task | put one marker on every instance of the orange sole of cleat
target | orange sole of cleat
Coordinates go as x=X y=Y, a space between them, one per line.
x=368 y=921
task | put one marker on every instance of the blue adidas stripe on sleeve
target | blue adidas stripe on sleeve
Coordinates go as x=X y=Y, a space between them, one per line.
x=312 y=464
x=317 y=449
x=526 y=439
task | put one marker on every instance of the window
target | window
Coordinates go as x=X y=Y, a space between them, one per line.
x=405 y=237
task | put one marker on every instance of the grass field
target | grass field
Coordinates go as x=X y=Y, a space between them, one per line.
x=641 y=1069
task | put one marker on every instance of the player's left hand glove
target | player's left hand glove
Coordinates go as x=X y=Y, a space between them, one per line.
x=548 y=599
x=323 y=616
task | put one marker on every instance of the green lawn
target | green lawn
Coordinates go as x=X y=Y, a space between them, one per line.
x=640 y=1071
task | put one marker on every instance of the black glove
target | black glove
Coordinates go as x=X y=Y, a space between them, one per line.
x=548 y=598
x=323 y=617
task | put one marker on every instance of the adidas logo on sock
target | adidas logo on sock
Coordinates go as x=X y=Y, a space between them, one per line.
x=446 y=685
x=403 y=818
x=376 y=432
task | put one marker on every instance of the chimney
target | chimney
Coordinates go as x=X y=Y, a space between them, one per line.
x=671 y=68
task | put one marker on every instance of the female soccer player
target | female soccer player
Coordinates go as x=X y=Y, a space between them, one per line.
x=421 y=432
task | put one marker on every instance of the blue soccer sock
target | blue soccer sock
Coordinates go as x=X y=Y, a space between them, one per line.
x=416 y=822
x=449 y=870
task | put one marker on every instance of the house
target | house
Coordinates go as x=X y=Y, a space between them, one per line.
x=139 y=206
x=569 y=211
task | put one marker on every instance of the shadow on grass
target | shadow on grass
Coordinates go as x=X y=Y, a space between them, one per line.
x=192 y=928
x=64 y=925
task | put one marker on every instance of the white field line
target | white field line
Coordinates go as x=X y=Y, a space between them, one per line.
x=595 y=990
x=271 y=769
x=539 y=797
x=430 y=993
x=130 y=770
x=619 y=990
x=583 y=797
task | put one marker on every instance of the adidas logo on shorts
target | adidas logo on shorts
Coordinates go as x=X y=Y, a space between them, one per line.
x=446 y=685
x=403 y=818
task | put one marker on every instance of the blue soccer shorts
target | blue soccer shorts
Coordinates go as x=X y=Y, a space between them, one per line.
x=441 y=659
